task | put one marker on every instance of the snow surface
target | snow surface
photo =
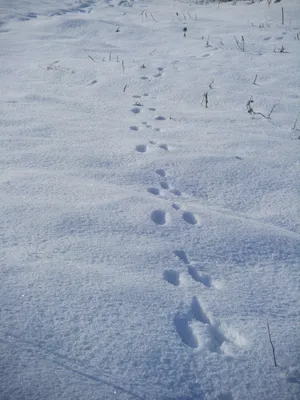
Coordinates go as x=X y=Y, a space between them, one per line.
x=146 y=240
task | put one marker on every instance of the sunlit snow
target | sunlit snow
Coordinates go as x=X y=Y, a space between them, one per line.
x=150 y=200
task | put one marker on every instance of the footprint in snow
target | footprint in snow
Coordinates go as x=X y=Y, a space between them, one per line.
x=161 y=172
x=216 y=336
x=182 y=256
x=190 y=218
x=141 y=148
x=225 y=396
x=136 y=110
x=153 y=191
x=219 y=339
x=164 y=147
x=93 y=82
x=164 y=185
x=159 y=217
x=185 y=331
x=160 y=118
x=134 y=128
x=198 y=312
x=193 y=270
x=204 y=279
x=172 y=276
x=175 y=192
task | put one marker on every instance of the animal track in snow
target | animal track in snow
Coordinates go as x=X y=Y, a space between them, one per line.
x=190 y=218
x=159 y=217
x=183 y=323
x=172 y=277
x=216 y=336
x=204 y=279
x=184 y=330
x=144 y=77
x=136 y=110
x=160 y=69
x=93 y=82
x=160 y=118
x=164 y=185
x=141 y=148
x=182 y=256
x=158 y=75
x=134 y=128
x=153 y=190
x=193 y=270
x=198 y=312
x=136 y=96
x=152 y=109
x=164 y=147
x=214 y=332
x=176 y=192
x=176 y=206
x=161 y=172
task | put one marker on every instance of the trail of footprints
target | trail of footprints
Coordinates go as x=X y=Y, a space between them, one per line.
x=138 y=108
x=193 y=271
x=195 y=327
x=159 y=217
x=187 y=216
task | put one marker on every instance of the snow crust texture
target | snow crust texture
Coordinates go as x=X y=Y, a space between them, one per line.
x=150 y=200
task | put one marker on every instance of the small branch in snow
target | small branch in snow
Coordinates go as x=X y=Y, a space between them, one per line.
x=250 y=109
x=272 y=345
x=125 y=87
x=153 y=17
x=294 y=128
x=254 y=82
x=240 y=44
x=252 y=112
x=91 y=58
x=205 y=100
x=273 y=108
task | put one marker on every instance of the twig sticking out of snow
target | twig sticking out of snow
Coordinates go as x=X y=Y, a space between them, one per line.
x=272 y=345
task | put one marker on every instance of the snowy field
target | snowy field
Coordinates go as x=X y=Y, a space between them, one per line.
x=147 y=240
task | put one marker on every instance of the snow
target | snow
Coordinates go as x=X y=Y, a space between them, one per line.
x=146 y=240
